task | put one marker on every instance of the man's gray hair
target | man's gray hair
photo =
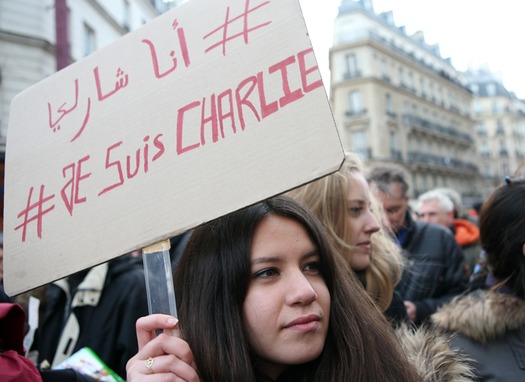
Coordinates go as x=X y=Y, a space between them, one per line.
x=384 y=176
x=444 y=202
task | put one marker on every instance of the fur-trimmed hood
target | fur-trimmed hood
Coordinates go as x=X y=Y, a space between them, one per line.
x=481 y=315
x=430 y=352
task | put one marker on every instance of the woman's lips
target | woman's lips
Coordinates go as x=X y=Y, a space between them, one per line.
x=364 y=244
x=304 y=323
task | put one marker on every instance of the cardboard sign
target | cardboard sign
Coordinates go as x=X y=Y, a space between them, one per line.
x=210 y=107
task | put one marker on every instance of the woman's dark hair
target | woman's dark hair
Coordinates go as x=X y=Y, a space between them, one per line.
x=502 y=233
x=211 y=282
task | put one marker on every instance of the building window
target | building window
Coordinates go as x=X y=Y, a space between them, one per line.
x=395 y=153
x=351 y=66
x=425 y=182
x=354 y=103
x=496 y=109
x=384 y=69
x=89 y=40
x=440 y=95
x=406 y=108
x=126 y=16
x=482 y=131
x=488 y=170
x=411 y=145
x=389 y=105
x=393 y=140
x=431 y=91
x=422 y=87
x=411 y=81
x=502 y=149
x=491 y=90
x=478 y=108
x=415 y=184
x=484 y=150
x=401 y=77
x=359 y=144
x=505 y=169
x=500 y=130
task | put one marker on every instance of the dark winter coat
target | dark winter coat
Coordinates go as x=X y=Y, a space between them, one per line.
x=436 y=270
x=106 y=314
x=490 y=328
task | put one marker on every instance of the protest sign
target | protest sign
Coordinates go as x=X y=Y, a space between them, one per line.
x=210 y=107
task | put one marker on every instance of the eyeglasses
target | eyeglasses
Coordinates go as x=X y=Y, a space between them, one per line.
x=429 y=214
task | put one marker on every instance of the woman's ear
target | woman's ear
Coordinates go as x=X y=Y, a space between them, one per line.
x=523 y=249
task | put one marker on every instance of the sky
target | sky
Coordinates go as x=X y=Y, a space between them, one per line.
x=471 y=32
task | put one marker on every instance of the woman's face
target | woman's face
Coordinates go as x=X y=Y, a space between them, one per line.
x=361 y=222
x=287 y=306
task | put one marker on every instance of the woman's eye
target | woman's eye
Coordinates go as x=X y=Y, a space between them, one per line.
x=265 y=273
x=355 y=210
x=314 y=266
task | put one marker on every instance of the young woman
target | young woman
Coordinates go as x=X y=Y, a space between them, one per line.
x=356 y=224
x=262 y=296
x=489 y=321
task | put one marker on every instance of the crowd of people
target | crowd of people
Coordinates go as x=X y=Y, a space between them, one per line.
x=342 y=279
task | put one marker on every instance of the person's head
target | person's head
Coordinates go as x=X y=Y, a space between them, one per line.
x=343 y=203
x=436 y=207
x=389 y=184
x=261 y=290
x=455 y=197
x=355 y=222
x=502 y=234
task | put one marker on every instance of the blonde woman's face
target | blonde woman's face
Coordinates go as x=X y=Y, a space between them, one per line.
x=361 y=222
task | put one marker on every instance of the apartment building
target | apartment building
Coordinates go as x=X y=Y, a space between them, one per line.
x=30 y=49
x=500 y=126
x=396 y=99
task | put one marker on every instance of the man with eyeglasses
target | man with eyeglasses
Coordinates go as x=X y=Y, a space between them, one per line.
x=435 y=271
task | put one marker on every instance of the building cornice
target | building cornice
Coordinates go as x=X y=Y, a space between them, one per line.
x=397 y=30
x=30 y=41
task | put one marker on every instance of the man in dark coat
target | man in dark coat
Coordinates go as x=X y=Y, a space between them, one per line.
x=95 y=308
x=435 y=271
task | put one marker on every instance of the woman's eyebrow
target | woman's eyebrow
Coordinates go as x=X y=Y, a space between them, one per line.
x=313 y=253
x=275 y=259
x=266 y=259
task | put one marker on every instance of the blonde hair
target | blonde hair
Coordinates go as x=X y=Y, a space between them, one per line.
x=326 y=198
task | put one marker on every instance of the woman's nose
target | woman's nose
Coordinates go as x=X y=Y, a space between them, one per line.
x=371 y=225
x=300 y=290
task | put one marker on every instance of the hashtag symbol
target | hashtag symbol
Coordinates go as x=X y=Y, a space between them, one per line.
x=245 y=29
x=37 y=209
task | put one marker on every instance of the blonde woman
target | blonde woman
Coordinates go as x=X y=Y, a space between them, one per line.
x=356 y=224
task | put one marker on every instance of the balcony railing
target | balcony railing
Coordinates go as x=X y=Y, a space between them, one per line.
x=391 y=114
x=440 y=161
x=427 y=125
x=352 y=74
x=356 y=113
x=396 y=155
